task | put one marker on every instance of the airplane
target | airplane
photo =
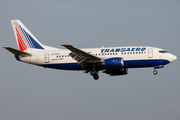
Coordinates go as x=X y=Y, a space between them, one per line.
x=110 y=60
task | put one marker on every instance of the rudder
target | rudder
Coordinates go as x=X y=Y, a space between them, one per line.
x=25 y=39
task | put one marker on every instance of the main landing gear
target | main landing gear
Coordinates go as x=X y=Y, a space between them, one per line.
x=95 y=75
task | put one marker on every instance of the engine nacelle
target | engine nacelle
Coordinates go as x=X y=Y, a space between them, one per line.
x=114 y=63
x=113 y=72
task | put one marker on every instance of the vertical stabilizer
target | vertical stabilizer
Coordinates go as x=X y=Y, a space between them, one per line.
x=25 y=39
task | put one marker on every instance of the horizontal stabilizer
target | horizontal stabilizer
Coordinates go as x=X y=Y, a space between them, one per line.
x=17 y=52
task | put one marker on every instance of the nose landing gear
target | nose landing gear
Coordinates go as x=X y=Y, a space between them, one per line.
x=157 y=67
x=155 y=72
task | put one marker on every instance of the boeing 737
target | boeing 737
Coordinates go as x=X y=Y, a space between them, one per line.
x=110 y=60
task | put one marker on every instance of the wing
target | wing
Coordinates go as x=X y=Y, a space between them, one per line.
x=81 y=56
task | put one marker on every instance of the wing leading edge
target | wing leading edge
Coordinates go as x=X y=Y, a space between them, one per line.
x=81 y=56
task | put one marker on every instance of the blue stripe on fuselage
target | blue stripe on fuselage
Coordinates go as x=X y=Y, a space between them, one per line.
x=127 y=64
x=64 y=66
x=17 y=57
x=144 y=63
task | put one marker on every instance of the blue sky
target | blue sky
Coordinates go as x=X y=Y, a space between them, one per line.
x=31 y=92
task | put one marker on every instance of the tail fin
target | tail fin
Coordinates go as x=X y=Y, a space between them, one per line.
x=25 y=39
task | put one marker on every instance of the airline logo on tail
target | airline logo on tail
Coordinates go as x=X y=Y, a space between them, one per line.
x=24 y=39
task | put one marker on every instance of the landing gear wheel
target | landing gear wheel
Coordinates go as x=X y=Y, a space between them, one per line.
x=96 y=77
x=155 y=72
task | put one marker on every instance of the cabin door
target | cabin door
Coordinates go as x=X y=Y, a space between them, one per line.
x=46 y=57
x=150 y=52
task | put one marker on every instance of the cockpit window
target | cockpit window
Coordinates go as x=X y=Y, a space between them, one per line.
x=163 y=51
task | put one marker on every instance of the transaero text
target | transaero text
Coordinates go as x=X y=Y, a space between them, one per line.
x=123 y=49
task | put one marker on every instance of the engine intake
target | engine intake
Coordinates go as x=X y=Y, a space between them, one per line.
x=112 y=63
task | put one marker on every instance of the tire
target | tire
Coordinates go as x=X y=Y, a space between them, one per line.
x=155 y=72
x=96 y=77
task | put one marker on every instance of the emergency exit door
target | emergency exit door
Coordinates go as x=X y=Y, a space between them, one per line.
x=102 y=55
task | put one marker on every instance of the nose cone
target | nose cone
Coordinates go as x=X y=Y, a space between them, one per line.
x=172 y=57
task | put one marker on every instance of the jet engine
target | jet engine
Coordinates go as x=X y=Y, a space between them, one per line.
x=113 y=72
x=112 y=63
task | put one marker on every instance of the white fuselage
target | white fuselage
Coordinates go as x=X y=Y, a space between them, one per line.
x=133 y=56
x=112 y=60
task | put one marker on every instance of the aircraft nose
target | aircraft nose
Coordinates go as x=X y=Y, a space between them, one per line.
x=172 y=58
